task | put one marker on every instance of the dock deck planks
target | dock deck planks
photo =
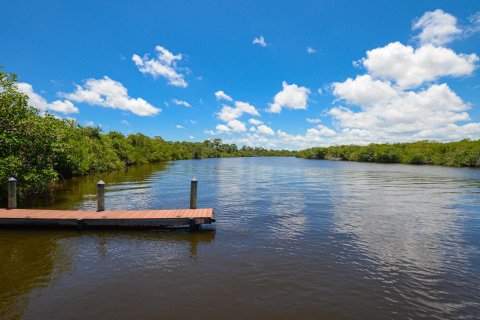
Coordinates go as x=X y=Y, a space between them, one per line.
x=107 y=218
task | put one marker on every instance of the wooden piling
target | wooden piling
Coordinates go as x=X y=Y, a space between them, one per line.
x=101 y=196
x=12 y=193
x=193 y=193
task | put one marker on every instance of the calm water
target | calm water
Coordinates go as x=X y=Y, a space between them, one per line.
x=294 y=239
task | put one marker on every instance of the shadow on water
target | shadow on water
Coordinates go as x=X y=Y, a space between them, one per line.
x=68 y=194
x=33 y=261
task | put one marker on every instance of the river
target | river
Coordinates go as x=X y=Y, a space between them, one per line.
x=294 y=239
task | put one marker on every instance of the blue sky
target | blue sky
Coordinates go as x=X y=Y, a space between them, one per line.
x=307 y=72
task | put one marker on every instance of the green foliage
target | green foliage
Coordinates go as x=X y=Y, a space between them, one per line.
x=38 y=149
x=465 y=153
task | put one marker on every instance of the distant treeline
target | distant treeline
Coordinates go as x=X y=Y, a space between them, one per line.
x=465 y=153
x=39 y=149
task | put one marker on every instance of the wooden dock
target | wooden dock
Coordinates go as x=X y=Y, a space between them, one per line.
x=126 y=219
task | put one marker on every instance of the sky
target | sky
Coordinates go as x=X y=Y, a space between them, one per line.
x=275 y=74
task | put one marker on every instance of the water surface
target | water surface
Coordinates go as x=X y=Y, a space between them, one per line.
x=294 y=239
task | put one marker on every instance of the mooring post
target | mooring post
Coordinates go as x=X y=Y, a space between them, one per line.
x=193 y=193
x=101 y=196
x=12 y=193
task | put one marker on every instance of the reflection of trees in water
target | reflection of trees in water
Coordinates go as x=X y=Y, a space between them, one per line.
x=72 y=192
x=33 y=260
x=29 y=260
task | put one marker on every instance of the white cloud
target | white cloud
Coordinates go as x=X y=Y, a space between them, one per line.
x=191 y=137
x=409 y=67
x=320 y=91
x=228 y=113
x=408 y=112
x=310 y=50
x=64 y=106
x=265 y=129
x=125 y=122
x=222 y=95
x=255 y=122
x=192 y=121
x=260 y=41
x=163 y=65
x=364 y=90
x=236 y=125
x=231 y=127
x=41 y=103
x=310 y=120
x=395 y=115
x=321 y=130
x=179 y=126
x=396 y=100
x=437 y=28
x=221 y=128
x=109 y=93
x=181 y=103
x=291 y=97
x=245 y=107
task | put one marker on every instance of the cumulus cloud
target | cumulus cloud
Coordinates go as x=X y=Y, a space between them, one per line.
x=436 y=28
x=109 y=93
x=39 y=102
x=260 y=41
x=255 y=122
x=231 y=126
x=398 y=98
x=407 y=113
x=236 y=125
x=310 y=50
x=220 y=95
x=228 y=113
x=245 y=107
x=394 y=103
x=291 y=97
x=265 y=129
x=221 y=128
x=181 y=103
x=409 y=67
x=163 y=65
x=178 y=126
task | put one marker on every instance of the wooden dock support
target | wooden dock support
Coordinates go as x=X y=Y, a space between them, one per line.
x=101 y=196
x=194 y=225
x=193 y=193
x=12 y=193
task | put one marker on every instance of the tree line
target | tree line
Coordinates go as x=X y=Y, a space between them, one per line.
x=464 y=153
x=38 y=149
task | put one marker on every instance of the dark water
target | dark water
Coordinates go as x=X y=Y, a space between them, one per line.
x=294 y=239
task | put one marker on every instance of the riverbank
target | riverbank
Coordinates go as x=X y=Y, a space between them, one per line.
x=464 y=153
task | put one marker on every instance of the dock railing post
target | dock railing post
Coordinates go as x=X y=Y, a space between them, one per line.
x=193 y=193
x=101 y=196
x=12 y=193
